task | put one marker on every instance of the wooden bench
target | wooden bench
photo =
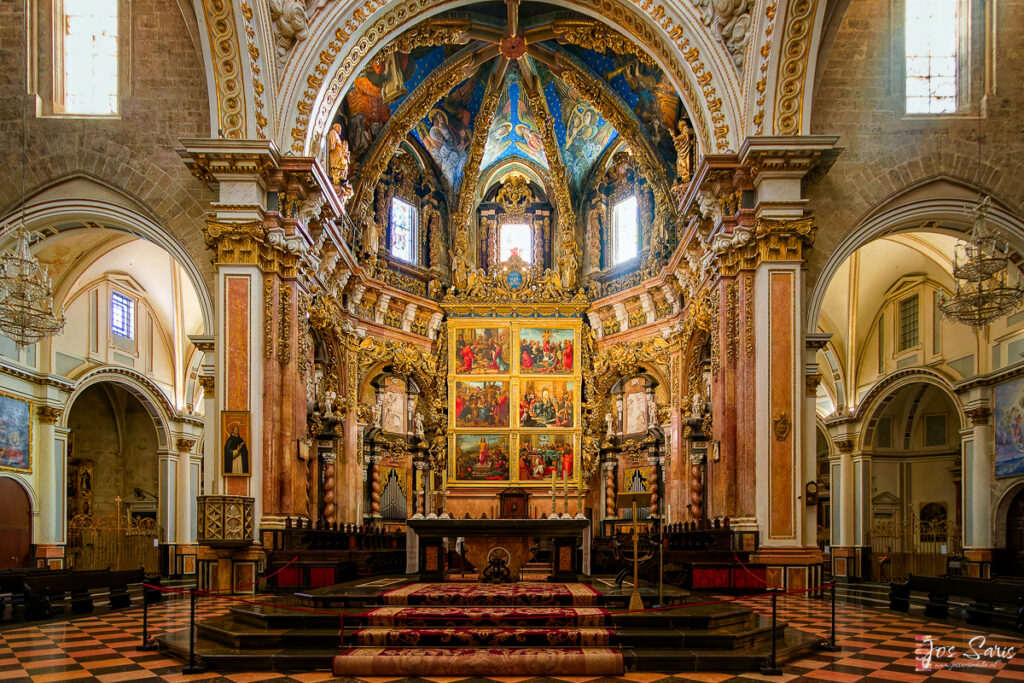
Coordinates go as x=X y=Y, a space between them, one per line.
x=46 y=595
x=991 y=599
x=12 y=586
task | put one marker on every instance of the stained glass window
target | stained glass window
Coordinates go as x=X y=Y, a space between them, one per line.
x=931 y=41
x=626 y=238
x=403 y=230
x=90 y=56
x=122 y=315
x=515 y=237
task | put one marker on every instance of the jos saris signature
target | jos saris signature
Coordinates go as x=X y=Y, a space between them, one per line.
x=932 y=655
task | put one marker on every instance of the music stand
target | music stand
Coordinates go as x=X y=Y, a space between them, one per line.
x=636 y=501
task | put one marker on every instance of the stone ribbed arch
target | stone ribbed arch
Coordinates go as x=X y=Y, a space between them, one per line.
x=346 y=36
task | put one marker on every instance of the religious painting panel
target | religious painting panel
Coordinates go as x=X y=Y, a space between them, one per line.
x=482 y=404
x=480 y=351
x=481 y=458
x=393 y=408
x=546 y=351
x=634 y=409
x=15 y=434
x=547 y=454
x=1009 y=428
x=547 y=403
x=447 y=129
x=234 y=425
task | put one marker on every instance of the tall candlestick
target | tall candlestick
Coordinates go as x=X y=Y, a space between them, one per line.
x=554 y=485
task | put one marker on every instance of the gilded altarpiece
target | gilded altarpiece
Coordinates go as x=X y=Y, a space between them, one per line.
x=514 y=397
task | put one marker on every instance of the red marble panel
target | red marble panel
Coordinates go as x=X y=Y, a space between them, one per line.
x=780 y=452
x=236 y=334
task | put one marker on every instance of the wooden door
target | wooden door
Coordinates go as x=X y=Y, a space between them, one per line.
x=1015 y=535
x=15 y=525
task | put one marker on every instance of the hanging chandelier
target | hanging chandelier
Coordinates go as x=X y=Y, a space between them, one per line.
x=983 y=292
x=26 y=294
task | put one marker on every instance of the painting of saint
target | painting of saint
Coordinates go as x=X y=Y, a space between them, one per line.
x=235 y=428
x=546 y=351
x=542 y=455
x=481 y=351
x=636 y=412
x=448 y=129
x=1010 y=428
x=481 y=404
x=547 y=403
x=481 y=457
x=393 y=410
x=15 y=435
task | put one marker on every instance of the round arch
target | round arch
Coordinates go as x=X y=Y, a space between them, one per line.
x=1000 y=510
x=340 y=47
x=141 y=387
x=926 y=214
x=878 y=396
x=49 y=212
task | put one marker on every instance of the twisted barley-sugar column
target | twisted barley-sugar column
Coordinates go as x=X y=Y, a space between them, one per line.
x=375 y=485
x=609 y=491
x=696 y=492
x=652 y=484
x=328 y=500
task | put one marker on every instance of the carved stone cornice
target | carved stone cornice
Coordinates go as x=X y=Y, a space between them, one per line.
x=210 y=160
x=48 y=414
x=594 y=35
x=978 y=416
x=769 y=240
x=436 y=31
x=251 y=243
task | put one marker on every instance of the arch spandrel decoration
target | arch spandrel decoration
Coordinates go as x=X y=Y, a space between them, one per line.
x=698 y=67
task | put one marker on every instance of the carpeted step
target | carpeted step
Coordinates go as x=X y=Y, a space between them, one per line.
x=526 y=593
x=472 y=661
x=487 y=617
x=478 y=637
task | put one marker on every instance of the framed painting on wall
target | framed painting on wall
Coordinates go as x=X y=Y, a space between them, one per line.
x=234 y=425
x=547 y=402
x=480 y=351
x=481 y=457
x=481 y=404
x=543 y=454
x=547 y=351
x=1009 y=398
x=15 y=434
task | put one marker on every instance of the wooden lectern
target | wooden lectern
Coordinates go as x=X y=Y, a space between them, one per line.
x=635 y=501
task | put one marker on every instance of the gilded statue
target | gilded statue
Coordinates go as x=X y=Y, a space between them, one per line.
x=595 y=223
x=569 y=259
x=683 y=142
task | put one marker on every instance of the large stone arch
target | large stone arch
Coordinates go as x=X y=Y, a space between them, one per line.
x=909 y=209
x=869 y=408
x=141 y=387
x=117 y=210
x=344 y=38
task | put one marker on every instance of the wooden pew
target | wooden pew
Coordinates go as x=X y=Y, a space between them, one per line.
x=46 y=595
x=12 y=586
x=991 y=599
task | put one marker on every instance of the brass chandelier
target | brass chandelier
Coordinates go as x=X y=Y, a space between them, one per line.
x=26 y=291
x=983 y=292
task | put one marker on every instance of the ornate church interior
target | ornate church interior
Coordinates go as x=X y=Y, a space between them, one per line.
x=589 y=339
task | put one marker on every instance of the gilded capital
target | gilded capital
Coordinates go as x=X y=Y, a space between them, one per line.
x=48 y=414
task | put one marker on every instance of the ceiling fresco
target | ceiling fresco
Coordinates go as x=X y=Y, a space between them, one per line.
x=582 y=133
x=645 y=89
x=514 y=131
x=447 y=129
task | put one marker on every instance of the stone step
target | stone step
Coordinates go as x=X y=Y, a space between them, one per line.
x=472 y=661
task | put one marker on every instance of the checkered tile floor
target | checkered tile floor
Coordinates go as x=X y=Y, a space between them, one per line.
x=877 y=645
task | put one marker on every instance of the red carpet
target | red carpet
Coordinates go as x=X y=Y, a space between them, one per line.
x=522 y=593
x=450 y=637
x=489 y=617
x=466 y=661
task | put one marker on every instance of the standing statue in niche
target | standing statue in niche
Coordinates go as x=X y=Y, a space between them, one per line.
x=378 y=411
x=652 y=412
x=569 y=260
x=683 y=141
x=595 y=222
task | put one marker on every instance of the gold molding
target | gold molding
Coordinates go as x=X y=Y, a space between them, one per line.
x=254 y=67
x=48 y=414
x=429 y=33
x=769 y=240
x=593 y=35
x=220 y=27
x=789 y=103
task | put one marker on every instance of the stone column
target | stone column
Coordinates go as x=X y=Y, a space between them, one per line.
x=652 y=485
x=421 y=468
x=49 y=532
x=375 y=486
x=610 y=509
x=186 y=493
x=846 y=557
x=328 y=511
x=168 y=488
x=814 y=342
x=978 y=475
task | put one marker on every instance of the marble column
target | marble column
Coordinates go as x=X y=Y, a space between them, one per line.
x=978 y=475
x=610 y=509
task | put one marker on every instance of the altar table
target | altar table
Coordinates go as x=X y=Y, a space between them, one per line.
x=566 y=536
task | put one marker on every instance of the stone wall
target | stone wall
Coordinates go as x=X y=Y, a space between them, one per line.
x=166 y=99
x=860 y=97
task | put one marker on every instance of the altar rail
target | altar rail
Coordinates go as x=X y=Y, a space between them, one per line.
x=331 y=553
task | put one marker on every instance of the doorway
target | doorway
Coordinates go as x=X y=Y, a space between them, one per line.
x=15 y=525
x=1015 y=535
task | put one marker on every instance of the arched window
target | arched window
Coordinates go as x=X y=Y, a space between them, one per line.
x=89 y=57
x=403 y=230
x=931 y=38
x=625 y=231
x=515 y=237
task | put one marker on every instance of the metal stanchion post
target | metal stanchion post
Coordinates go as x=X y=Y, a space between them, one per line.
x=830 y=644
x=770 y=668
x=194 y=666
x=148 y=643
